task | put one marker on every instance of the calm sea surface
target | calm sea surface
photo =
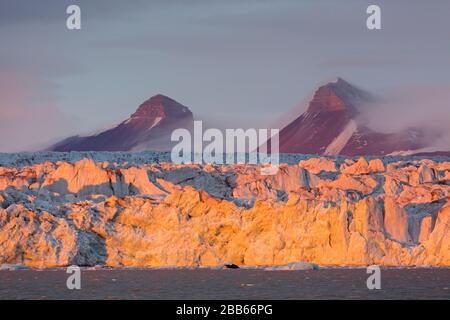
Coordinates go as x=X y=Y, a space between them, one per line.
x=226 y=284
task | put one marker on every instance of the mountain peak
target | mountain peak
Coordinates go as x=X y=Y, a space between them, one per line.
x=331 y=126
x=160 y=106
x=338 y=95
x=159 y=99
x=149 y=128
x=339 y=81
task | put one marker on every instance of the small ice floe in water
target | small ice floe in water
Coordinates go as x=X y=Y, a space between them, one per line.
x=11 y=267
x=295 y=266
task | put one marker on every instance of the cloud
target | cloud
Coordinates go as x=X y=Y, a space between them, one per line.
x=363 y=62
x=426 y=107
x=29 y=119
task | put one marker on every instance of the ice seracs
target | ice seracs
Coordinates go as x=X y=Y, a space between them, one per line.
x=321 y=210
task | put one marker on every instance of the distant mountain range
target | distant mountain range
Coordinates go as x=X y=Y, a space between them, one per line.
x=331 y=125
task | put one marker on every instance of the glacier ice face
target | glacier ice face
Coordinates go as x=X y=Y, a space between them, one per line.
x=125 y=209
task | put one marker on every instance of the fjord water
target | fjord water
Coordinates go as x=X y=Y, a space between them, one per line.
x=406 y=283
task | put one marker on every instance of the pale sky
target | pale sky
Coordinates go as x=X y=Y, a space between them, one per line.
x=240 y=63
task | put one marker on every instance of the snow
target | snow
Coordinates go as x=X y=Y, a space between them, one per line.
x=411 y=152
x=341 y=140
x=155 y=122
x=128 y=120
x=12 y=267
x=403 y=153
x=294 y=266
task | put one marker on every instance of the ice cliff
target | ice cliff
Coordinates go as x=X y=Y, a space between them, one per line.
x=322 y=210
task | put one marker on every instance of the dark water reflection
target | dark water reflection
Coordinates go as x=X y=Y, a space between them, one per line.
x=226 y=284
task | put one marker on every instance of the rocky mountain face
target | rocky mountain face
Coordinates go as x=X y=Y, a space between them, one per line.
x=331 y=125
x=320 y=210
x=149 y=128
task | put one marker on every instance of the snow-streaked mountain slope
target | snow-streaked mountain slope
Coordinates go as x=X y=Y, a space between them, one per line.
x=149 y=128
x=332 y=125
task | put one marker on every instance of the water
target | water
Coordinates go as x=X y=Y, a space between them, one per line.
x=226 y=284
